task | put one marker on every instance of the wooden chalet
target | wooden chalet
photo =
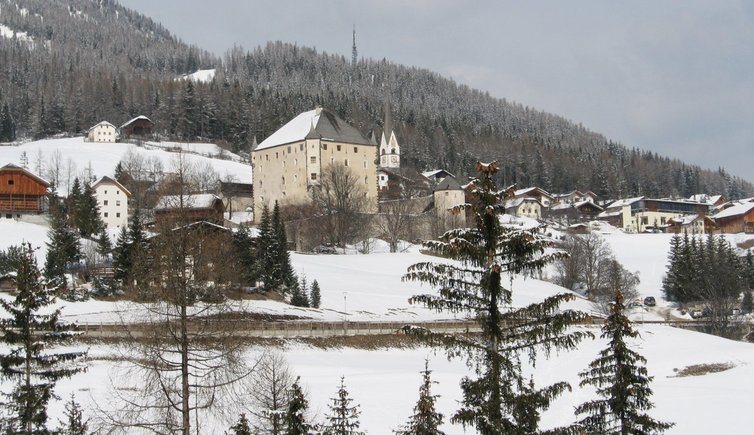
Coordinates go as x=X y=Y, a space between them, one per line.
x=568 y=213
x=21 y=192
x=189 y=208
x=141 y=126
x=691 y=224
x=738 y=218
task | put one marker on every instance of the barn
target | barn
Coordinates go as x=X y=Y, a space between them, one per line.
x=21 y=192
x=141 y=126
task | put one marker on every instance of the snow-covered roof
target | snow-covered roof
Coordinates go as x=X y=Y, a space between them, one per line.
x=685 y=220
x=608 y=214
x=320 y=123
x=705 y=199
x=513 y=203
x=532 y=190
x=109 y=180
x=625 y=202
x=103 y=124
x=433 y=173
x=736 y=210
x=135 y=119
x=199 y=201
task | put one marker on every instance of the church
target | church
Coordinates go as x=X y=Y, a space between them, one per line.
x=290 y=162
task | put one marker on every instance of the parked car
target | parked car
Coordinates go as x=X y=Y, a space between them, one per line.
x=650 y=301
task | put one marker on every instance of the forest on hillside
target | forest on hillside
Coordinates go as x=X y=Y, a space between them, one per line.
x=81 y=62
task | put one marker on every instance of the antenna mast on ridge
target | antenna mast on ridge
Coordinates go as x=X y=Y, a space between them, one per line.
x=354 y=53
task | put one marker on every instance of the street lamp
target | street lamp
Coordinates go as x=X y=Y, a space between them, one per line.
x=345 y=312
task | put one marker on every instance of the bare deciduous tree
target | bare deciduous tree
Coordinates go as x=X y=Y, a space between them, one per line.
x=186 y=353
x=341 y=198
x=270 y=394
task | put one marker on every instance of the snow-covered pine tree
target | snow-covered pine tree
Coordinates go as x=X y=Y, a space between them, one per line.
x=30 y=359
x=74 y=422
x=426 y=420
x=315 y=296
x=343 y=417
x=300 y=294
x=265 y=258
x=122 y=256
x=241 y=427
x=500 y=399
x=295 y=417
x=88 y=219
x=622 y=382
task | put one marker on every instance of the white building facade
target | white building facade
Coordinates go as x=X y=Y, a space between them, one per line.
x=103 y=132
x=112 y=200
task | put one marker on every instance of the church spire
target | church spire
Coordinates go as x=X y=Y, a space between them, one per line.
x=354 y=53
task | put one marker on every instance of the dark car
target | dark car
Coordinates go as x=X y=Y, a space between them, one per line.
x=650 y=301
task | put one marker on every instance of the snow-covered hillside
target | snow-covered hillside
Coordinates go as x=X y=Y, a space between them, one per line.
x=103 y=157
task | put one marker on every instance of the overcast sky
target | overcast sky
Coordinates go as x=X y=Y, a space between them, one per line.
x=675 y=77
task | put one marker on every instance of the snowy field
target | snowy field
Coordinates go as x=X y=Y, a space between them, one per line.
x=385 y=382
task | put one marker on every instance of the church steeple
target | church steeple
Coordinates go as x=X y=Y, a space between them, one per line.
x=390 y=150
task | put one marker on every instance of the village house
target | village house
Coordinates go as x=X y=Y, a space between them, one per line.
x=104 y=132
x=449 y=194
x=541 y=195
x=183 y=209
x=691 y=224
x=575 y=197
x=738 y=218
x=291 y=161
x=21 y=192
x=567 y=213
x=437 y=175
x=523 y=206
x=112 y=200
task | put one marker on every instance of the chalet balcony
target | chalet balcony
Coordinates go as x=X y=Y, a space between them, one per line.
x=21 y=203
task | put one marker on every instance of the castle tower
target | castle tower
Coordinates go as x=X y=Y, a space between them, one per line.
x=390 y=151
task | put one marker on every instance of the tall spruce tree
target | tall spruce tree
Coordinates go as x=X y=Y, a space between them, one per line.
x=295 y=416
x=74 y=423
x=315 y=296
x=241 y=427
x=343 y=417
x=622 y=382
x=63 y=247
x=30 y=359
x=426 y=420
x=499 y=399
x=286 y=276
x=88 y=219
x=244 y=245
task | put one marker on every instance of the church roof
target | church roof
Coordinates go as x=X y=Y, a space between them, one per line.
x=320 y=122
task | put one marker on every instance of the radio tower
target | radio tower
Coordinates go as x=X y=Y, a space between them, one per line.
x=354 y=53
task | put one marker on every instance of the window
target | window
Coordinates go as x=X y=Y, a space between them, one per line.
x=106 y=192
x=313 y=176
x=338 y=147
x=282 y=179
x=117 y=203
x=383 y=152
x=117 y=192
x=392 y=151
x=277 y=155
x=324 y=146
x=355 y=149
x=104 y=214
x=11 y=182
x=301 y=147
x=9 y=216
x=366 y=180
x=313 y=159
x=345 y=161
x=289 y=149
x=117 y=214
x=104 y=202
x=267 y=157
x=644 y=220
